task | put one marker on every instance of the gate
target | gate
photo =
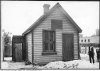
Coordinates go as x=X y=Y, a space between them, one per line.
x=17 y=44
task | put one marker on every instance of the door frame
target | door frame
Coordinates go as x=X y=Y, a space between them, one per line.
x=63 y=45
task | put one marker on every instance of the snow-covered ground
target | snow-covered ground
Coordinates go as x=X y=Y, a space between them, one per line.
x=9 y=64
x=15 y=65
x=75 y=64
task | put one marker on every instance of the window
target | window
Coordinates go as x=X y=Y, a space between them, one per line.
x=56 y=24
x=85 y=40
x=81 y=40
x=88 y=40
x=48 y=41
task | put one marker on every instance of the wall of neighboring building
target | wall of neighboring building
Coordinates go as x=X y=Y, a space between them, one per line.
x=84 y=45
x=46 y=24
x=93 y=39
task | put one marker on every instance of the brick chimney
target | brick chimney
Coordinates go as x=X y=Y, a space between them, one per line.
x=46 y=8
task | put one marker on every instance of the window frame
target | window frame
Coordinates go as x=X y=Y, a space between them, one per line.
x=49 y=41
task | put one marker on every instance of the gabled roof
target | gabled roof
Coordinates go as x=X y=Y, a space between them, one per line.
x=38 y=22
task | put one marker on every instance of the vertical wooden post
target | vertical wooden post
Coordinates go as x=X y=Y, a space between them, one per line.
x=99 y=63
x=99 y=60
x=99 y=57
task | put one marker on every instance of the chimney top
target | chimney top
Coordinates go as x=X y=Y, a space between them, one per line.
x=46 y=8
x=46 y=5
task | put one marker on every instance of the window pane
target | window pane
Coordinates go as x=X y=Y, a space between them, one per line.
x=85 y=40
x=51 y=36
x=51 y=46
x=88 y=40
x=45 y=46
x=54 y=36
x=81 y=40
x=46 y=34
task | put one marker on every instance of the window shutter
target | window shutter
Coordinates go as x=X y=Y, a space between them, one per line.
x=56 y=24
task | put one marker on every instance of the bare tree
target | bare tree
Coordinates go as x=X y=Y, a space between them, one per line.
x=7 y=49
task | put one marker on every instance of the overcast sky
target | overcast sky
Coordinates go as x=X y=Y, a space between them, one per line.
x=17 y=16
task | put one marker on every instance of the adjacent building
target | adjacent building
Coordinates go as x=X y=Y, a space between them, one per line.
x=93 y=40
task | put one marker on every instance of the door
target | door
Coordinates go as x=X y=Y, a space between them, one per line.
x=68 y=48
x=18 y=52
x=17 y=45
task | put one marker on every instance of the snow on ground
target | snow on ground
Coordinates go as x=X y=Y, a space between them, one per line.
x=15 y=65
x=86 y=57
x=75 y=64
x=4 y=65
x=9 y=64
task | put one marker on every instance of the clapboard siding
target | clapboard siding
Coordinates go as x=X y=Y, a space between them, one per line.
x=29 y=45
x=75 y=46
x=46 y=24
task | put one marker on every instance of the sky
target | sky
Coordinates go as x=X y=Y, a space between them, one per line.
x=17 y=16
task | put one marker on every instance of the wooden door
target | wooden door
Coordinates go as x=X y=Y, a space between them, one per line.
x=18 y=52
x=17 y=45
x=68 y=49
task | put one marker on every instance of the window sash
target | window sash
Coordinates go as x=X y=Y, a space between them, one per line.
x=48 y=38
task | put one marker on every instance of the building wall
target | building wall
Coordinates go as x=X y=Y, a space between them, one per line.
x=84 y=45
x=93 y=39
x=29 y=46
x=46 y=24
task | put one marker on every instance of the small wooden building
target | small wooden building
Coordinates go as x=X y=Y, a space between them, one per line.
x=53 y=37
